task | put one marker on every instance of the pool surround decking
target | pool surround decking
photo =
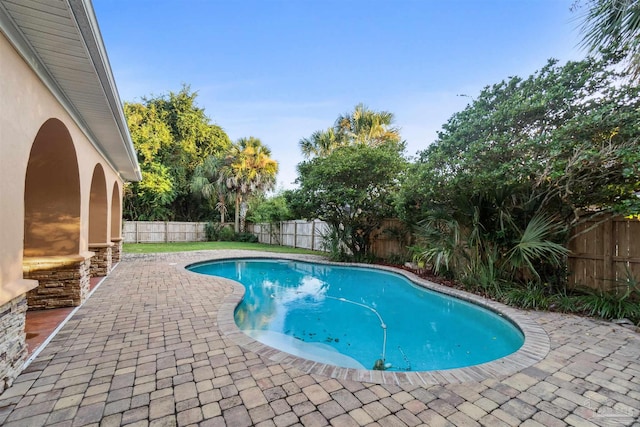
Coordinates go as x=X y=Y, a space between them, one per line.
x=146 y=349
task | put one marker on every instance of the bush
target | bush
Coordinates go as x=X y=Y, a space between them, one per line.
x=245 y=237
x=396 y=259
x=227 y=234
x=332 y=243
x=533 y=296
x=217 y=232
x=212 y=231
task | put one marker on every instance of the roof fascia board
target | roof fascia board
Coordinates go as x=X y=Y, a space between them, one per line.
x=28 y=53
x=92 y=39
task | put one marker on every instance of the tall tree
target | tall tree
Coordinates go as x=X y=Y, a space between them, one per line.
x=249 y=170
x=209 y=182
x=365 y=126
x=614 y=24
x=172 y=136
x=320 y=143
x=525 y=160
x=351 y=189
x=361 y=126
x=150 y=198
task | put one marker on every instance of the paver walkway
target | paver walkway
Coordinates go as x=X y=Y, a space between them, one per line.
x=146 y=349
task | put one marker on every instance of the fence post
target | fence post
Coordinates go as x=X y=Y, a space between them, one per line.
x=607 y=242
x=313 y=234
x=166 y=234
x=137 y=235
x=295 y=234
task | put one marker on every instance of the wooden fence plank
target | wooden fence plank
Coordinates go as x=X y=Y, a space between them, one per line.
x=602 y=257
x=163 y=232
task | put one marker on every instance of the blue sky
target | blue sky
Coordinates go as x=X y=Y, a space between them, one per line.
x=281 y=69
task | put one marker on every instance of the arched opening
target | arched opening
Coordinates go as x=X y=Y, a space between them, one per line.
x=98 y=210
x=52 y=194
x=52 y=221
x=116 y=213
x=116 y=224
x=99 y=238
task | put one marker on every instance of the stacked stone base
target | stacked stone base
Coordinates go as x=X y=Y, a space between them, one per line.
x=102 y=259
x=13 y=347
x=116 y=250
x=63 y=281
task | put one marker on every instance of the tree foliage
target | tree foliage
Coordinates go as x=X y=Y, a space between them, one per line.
x=242 y=172
x=251 y=171
x=362 y=126
x=613 y=24
x=209 y=182
x=519 y=165
x=273 y=208
x=172 y=136
x=351 y=189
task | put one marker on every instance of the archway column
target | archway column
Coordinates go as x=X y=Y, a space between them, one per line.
x=116 y=250
x=63 y=280
x=102 y=259
x=13 y=308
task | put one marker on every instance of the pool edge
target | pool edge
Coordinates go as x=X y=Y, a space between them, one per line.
x=535 y=348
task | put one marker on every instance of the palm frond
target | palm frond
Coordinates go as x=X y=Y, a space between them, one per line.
x=535 y=245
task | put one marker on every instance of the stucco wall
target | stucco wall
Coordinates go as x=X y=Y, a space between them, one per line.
x=25 y=105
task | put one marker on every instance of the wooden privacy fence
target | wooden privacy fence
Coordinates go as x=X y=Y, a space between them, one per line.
x=604 y=252
x=163 y=231
x=295 y=234
x=310 y=235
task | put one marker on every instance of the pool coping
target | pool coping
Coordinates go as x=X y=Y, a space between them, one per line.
x=535 y=347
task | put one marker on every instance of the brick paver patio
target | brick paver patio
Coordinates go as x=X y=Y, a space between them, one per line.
x=147 y=349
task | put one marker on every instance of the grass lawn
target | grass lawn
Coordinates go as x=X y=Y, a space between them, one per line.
x=143 y=248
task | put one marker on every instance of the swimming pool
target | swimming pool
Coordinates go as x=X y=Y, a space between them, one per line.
x=362 y=318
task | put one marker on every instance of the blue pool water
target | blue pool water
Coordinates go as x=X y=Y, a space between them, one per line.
x=359 y=317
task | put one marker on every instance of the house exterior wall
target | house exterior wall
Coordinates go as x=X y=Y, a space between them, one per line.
x=25 y=105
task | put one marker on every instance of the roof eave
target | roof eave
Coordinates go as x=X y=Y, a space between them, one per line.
x=86 y=26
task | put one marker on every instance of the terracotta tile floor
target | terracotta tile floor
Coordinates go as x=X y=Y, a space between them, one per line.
x=41 y=323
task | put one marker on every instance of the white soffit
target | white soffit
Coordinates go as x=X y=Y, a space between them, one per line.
x=61 y=41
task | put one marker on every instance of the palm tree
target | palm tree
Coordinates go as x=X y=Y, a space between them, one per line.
x=365 y=126
x=362 y=126
x=614 y=24
x=250 y=170
x=320 y=143
x=209 y=182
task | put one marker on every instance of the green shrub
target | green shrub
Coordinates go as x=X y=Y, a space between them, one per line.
x=227 y=234
x=564 y=303
x=609 y=305
x=245 y=237
x=530 y=297
x=621 y=302
x=396 y=259
x=333 y=244
x=212 y=231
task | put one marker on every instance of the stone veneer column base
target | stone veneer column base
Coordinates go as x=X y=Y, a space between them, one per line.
x=101 y=261
x=63 y=280
x=13 y=346
x=116 y=250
